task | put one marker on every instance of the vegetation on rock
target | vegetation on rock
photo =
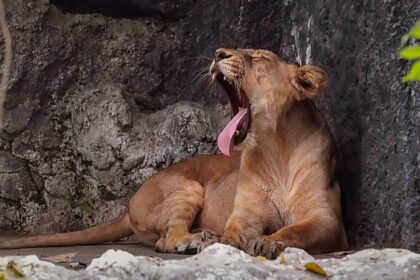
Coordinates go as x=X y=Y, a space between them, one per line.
x=411 y=52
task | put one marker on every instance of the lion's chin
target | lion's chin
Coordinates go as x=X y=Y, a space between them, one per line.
x=237 y=129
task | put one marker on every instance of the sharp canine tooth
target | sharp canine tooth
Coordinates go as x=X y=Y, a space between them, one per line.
x=213 y=77
x=224 y=78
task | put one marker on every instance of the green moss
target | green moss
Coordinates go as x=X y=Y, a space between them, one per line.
x=85 y=203
x=85 y=206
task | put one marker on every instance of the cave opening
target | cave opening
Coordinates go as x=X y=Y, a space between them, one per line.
x=165 y=9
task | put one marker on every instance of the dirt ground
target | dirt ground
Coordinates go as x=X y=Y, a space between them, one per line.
x=85 y=254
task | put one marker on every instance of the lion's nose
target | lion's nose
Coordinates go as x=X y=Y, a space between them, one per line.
x=221 y=54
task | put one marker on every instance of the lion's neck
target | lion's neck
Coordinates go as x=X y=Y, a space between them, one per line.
x=269 y=114
x=277 y=132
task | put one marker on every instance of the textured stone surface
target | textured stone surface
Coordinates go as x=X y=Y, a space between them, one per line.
x=97 y=103
x=224 y=262
x=95 y=106
x=374 y=117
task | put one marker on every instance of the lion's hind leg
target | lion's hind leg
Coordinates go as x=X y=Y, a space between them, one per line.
x=180 y=210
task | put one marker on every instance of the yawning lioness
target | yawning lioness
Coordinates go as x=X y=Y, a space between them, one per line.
x=274 y=186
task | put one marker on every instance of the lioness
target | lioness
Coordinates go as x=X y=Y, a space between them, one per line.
x=276 y=188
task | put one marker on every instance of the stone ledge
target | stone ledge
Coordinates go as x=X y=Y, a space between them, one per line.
x=224 y=262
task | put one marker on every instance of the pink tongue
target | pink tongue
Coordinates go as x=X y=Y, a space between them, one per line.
x=227 y=136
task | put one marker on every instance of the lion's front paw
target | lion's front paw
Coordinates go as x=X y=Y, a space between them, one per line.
x=263 y=246
x=185 y=244
x=208 y=238
x=234 y=239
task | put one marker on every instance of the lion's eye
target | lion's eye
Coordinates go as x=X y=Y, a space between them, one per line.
x=259 y=58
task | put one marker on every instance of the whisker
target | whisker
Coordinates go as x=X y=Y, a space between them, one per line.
x=200 y=73
x=215 y=89
x=201 y=70
x=200 y=57
x=199 y=82
x=198 y=79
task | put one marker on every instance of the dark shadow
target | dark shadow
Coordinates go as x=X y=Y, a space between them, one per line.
x=168 y=9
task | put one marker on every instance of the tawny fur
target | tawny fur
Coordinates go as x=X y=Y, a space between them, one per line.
x=278 y=189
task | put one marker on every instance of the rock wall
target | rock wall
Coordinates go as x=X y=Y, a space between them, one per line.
x=102 y=96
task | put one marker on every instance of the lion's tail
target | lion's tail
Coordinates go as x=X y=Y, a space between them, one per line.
x=110 y=231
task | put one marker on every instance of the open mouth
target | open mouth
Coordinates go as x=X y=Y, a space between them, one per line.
x=237 y=128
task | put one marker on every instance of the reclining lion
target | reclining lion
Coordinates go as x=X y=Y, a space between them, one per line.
x=274 y=187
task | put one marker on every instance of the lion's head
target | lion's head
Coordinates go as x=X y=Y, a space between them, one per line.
x=260 y=82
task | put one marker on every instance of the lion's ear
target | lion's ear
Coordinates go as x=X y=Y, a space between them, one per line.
x=309 y=81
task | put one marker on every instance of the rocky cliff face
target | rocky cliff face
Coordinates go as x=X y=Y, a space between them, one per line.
x=102 y=96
